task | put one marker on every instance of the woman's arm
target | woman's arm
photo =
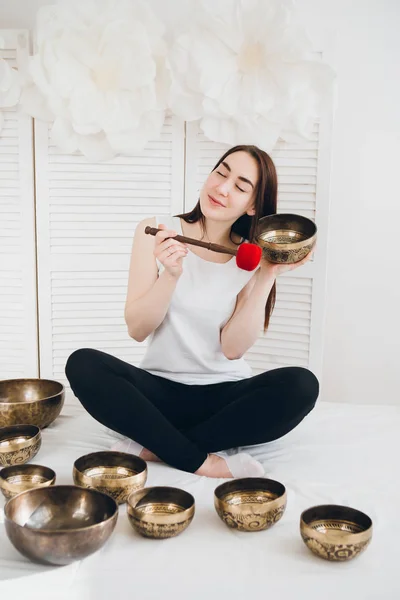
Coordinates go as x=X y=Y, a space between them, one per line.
x=245 y=325
x=149 y=295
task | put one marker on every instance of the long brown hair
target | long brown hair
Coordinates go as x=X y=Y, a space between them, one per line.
x=265 y=204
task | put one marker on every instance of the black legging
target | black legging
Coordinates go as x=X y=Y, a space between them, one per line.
x=182 y=423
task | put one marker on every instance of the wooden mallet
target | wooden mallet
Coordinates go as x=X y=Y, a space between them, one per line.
x=247 y=255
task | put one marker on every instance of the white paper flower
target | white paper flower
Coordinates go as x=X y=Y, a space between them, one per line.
x=10 y=86
x=99 y=73
x=247 y=72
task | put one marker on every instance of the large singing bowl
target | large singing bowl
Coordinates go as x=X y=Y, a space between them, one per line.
x=58 y=525
x=30 y=402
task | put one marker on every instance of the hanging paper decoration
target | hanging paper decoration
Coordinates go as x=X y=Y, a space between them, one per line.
x=247 y=71
x=10 y=86
x=99 y=75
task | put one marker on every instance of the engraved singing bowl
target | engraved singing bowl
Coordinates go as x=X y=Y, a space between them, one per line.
x=30 y=401
x=19 y=478
x=286 y=238
x=250 y=503
x=19 y=444
x=335 y=532
x=60 y=524
x=160 y=512
x=115 y=473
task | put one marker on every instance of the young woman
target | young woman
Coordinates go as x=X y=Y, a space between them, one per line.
x=193 y=395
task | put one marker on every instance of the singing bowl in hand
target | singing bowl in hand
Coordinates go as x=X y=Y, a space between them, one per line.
x=286 y=238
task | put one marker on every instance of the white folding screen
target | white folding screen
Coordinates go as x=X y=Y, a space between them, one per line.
x=86 y=214
x=295 y=333
x=86 y=218
x=18 y=322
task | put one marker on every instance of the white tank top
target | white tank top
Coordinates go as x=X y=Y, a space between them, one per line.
x=186 y=346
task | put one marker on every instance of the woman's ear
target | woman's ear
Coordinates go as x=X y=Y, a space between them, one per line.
x=251 y=211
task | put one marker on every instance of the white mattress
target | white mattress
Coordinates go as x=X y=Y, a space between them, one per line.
x=340 y=454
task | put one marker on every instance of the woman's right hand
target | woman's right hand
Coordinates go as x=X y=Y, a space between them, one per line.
x=169 y=252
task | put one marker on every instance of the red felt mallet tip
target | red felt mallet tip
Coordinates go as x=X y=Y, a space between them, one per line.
x=248 y=256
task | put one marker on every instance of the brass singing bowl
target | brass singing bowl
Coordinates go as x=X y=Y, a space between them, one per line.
x=30 y=401
x=335 y=532
x=160 y=512
x=251 y=503
x=286 y=238
x=19 y=444
x=19 y=478
x=60 y=524
x=115 y=473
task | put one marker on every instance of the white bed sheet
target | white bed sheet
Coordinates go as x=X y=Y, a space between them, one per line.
x=340 y=454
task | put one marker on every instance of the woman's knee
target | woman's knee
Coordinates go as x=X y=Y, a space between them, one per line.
x=305 y=384
x=81 y=363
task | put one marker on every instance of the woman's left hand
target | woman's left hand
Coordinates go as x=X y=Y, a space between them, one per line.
x=275 y=269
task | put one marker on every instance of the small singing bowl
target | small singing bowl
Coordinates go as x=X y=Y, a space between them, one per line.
x=60 y=524
x=251 y=503
x=115 y=473
x=19 y=478
x=286 y=238
x=19 y=444
x=30 y=401
x=160 y=512
x=335 y=532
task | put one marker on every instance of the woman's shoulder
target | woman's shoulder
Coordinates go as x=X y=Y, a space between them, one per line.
x=141 y=226
x=147 y=221
x=156 y=220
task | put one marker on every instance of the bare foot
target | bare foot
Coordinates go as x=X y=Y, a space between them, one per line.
x=149 y=456
x=214 y=466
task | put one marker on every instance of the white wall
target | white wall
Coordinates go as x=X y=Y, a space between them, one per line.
x=362 y=346
x=362 y=326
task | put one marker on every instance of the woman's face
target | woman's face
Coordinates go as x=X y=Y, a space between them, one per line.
x=229 y=191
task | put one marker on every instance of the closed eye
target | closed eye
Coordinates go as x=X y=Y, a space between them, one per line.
x=222 y=175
